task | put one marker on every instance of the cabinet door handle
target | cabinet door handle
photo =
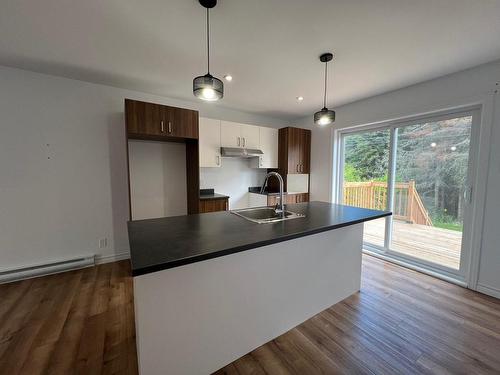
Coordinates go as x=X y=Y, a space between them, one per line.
x=162 y=126
x=218 y=160
x=169 y=127
x=297 y=168
x=243 y=141
x=238 y=141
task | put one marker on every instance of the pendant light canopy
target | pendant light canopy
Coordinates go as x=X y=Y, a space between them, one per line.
x=325 y=116
x=208 y=87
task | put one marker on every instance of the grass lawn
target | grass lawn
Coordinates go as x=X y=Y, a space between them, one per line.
x=451 y=226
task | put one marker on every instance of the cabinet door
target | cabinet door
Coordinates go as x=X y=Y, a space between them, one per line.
x=269 y=146
x=249 y=136
x=143 y=119
x=209 y=142
x=213 y=205
x=294 y=150
x=305 y=151
x=230 y=134
x=185 y=123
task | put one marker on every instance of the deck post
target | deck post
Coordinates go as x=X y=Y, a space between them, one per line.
x=409 y=203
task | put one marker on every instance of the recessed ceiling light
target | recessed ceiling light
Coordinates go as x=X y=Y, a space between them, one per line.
x=453 y=148
x=228 y=77
x=300 y=98
x=433 y=144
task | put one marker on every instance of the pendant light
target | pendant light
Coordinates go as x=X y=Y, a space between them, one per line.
x=208 y=87
x=325 y=116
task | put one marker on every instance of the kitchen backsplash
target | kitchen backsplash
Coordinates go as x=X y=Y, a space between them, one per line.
x=298 y=183
x=233 y=179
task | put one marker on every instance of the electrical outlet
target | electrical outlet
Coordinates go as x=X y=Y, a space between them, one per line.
x=103 y=243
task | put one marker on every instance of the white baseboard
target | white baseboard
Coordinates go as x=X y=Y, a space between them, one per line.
x=29 y=271
x=100 y=259
x=494 y=292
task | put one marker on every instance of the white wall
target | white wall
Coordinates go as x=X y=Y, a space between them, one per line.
x=157 y=179
x=63 y=179
x=473 y=86
x=232 y=178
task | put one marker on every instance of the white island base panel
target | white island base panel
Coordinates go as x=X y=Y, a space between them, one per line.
x=197 y=318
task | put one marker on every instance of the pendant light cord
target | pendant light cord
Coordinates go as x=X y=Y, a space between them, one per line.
x=208 y=41
x=326 y=77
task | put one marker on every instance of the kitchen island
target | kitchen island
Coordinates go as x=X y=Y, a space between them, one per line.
x=210 y=288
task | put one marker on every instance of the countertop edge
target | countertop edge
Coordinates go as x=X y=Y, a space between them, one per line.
x=238 y=249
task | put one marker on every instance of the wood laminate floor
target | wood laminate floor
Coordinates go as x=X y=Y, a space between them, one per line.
x=401 y=322
x=79 y=322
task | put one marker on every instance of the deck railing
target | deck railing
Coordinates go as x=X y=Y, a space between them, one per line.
x=372 y=194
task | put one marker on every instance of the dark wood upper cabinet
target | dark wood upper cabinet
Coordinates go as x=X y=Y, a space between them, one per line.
x=294 y=151
x=185 y=123
x=155 y=121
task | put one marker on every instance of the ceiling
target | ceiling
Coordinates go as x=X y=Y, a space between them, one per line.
x=271 y=47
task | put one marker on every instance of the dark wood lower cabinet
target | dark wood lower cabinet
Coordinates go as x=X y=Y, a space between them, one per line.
x=272 y=200
x=213 y=205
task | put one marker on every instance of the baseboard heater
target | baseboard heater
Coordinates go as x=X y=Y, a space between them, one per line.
x=21 y=273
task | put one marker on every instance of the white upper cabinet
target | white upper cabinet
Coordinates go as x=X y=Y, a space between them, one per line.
x=234 y=134
x=269 y=146
x=215 y=134
x=210 y=142
x=230 y=134
x=249 y=136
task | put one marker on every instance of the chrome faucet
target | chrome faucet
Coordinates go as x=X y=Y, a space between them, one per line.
x=280 y=179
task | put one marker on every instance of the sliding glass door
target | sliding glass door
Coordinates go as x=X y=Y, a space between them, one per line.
x=365 y=173
x=420 y=171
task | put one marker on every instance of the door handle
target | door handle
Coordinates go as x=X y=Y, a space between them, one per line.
x=243 y=141
x=297 y=168
x=468 y=194
x=217 y=160
x=162 y=126
x=169 y=127
x=238 y=141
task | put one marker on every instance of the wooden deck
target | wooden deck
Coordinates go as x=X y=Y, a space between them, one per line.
x=436 y=245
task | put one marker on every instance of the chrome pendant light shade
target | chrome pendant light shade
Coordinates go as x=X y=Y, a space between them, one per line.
x=325 y=116
x=208 y=87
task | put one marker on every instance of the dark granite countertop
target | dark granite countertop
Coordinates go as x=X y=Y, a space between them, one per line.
x=256 y=190
x=158 y=244
x=210 y=194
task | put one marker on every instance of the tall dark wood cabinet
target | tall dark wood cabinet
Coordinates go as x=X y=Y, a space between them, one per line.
x=294 y=152
x=156 y=122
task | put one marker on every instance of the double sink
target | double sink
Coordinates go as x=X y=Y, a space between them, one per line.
x=263 y=215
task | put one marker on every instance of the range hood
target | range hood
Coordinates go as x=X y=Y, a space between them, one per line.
x=236 y=152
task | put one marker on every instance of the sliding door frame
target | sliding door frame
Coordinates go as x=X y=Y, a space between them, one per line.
x=461 y=276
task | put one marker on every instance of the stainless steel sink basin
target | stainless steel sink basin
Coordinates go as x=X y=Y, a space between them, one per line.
x=265 y=215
